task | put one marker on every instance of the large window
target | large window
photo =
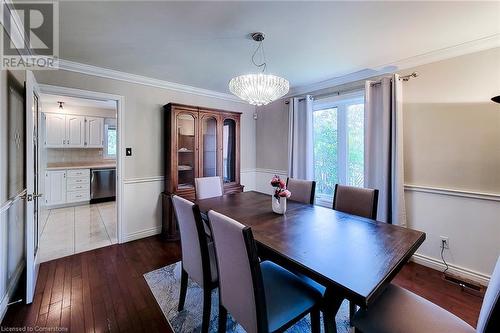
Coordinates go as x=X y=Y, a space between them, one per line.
x=338 y=129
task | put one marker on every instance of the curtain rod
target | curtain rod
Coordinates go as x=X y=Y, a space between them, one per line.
x=404 y=78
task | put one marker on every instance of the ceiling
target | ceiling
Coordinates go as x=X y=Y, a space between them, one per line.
x=53 y=100
x=205 y=44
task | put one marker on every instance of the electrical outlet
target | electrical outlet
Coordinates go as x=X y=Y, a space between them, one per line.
x=445 y=243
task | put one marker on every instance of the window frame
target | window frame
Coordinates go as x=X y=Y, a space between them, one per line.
x=108 y=127
x=340 y=102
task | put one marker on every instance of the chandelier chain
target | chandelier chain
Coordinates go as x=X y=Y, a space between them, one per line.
x=263 y=64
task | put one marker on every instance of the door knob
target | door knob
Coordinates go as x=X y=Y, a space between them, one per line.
x=27 y=197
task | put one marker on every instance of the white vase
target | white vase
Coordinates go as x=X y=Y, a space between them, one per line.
x=279 y=205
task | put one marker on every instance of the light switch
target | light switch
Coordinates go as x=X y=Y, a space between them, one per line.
x=128 y=151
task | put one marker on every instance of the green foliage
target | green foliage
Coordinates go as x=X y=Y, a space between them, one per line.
x=325 y=150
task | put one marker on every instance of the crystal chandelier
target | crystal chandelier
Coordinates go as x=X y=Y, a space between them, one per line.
x=259 y=89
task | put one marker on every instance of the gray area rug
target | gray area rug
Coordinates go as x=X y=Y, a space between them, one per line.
x=165 y=284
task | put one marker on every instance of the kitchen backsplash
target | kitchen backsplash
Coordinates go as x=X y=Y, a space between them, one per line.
x=75 y=155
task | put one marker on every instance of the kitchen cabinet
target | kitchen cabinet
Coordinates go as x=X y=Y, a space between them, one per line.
x=94 y=132
x=73 y=131
x=55 y=187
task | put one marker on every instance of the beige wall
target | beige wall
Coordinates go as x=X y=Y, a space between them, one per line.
x=144 y=118
x=78 y=110
x=452 y=129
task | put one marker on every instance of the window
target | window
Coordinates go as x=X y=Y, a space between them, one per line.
x=110 y=141
x=338 y=131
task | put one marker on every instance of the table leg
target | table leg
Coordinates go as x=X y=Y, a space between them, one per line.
x=330 y=308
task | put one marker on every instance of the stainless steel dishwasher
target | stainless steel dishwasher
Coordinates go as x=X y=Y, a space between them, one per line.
x=102 y=184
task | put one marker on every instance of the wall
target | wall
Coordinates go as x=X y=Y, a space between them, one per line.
x=143 y=132
x=452 y=151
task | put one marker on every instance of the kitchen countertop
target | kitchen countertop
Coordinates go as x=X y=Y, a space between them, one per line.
x=81 y=165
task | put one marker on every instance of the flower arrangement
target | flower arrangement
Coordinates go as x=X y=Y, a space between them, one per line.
x=280 y=190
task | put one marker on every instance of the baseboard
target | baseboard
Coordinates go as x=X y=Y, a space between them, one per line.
x=436 y=264
x=10 y=290
x=143 y=234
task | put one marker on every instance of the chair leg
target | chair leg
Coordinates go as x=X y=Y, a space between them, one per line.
x=352 y=311
x=222 y=319
x=315 y=321
x=207 y=304
x=182 y=297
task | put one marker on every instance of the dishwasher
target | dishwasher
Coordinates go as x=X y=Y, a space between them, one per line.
x=102 y=184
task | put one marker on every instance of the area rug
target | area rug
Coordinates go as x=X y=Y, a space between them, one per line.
x=165 y=284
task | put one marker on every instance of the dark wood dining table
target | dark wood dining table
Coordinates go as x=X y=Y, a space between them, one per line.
x=353 y=257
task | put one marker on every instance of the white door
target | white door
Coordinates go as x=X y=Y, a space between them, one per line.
x=94 y=132
x=75 y=131
x=55 y=130
x=55 y=187
x=33 y=108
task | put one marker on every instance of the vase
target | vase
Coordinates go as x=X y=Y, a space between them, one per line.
x=279 y=205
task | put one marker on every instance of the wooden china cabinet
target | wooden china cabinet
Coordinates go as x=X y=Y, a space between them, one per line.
x=199 y=142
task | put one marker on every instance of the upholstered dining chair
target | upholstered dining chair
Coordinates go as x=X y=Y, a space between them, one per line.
x=399 y=310
x=261 y=296
x=208 y=187
x=356 y=201
x=302 y=190
x=198 y=255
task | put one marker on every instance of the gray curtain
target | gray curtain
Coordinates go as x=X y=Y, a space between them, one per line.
x=384 y=168
x=300 y=138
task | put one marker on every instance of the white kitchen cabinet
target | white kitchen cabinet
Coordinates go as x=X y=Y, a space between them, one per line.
x=94 y=132
x=55 y=130
x=75 y=131
x=55 y=187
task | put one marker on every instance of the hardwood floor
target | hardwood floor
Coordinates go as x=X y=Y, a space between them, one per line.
x=104 y=291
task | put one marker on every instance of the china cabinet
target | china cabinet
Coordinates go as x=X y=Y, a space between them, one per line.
x=199 y=142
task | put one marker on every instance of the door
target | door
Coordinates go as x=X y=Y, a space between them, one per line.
x=186 y=149
x=33 y=108
x=75 y=131
x=94 y=132
x=209 y=145
x=55 y=187
x=55 y=130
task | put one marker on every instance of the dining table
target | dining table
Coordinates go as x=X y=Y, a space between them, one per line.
x=355 y=258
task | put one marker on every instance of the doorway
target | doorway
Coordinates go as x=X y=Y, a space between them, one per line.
x=80 y=170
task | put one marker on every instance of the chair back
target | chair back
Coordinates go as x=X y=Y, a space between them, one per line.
x=356 y=200
x=489 y=317
x=239 y=272
x=302 y=190
x=208 y=187
x=194 y=245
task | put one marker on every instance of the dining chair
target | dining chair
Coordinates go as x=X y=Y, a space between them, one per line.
x=198 y=255
x=260 y=296
x=208 y=187
x=399 y=310
x=356 y=201
x=302 y=190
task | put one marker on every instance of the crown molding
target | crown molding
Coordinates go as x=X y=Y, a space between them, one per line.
x=81 y=68
x=476 y=45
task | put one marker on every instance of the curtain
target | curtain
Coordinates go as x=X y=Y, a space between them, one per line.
x=384 y=169
x=300 y=138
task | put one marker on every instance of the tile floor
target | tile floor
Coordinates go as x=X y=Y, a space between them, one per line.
x=77 y=229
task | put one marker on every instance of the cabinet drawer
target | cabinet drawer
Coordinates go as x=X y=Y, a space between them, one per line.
x=78 y=196
x=77 y=181
x=78 y=187
x=80 y=173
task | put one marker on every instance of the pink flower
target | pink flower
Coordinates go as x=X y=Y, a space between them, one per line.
x=275 y=181
x=282 y=184
x=285 y=194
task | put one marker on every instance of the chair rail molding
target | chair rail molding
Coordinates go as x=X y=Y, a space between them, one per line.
x=453 y=192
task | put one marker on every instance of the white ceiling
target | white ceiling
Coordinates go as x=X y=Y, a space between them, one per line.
x=205 y=44
x=52 y=100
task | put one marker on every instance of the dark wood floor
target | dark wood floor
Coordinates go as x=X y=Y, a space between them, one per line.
x=104 y=290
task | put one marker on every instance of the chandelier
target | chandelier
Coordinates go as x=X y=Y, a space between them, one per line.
x=260 y=88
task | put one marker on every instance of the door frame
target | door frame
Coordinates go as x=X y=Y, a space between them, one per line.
x=120 y=156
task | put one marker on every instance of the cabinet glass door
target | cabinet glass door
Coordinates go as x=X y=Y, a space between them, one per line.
x=229 y=150
x=209 y=141
x=186 y=151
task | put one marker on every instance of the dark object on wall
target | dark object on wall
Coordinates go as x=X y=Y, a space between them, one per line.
x=496 y=99
x=199 y=142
